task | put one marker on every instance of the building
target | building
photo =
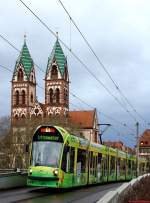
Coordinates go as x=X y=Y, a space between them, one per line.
x=144 y=144
x=25 y=106
x=87 y=123
x=119 y=145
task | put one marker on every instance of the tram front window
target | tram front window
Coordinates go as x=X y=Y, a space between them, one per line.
x=46 y=154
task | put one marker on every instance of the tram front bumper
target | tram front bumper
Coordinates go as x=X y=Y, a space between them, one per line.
x=43 y=176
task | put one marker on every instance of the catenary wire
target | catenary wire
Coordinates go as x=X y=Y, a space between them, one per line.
x=100 y=112
x=83 y=64
x=101 y=64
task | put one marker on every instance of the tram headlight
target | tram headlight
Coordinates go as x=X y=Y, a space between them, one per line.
x=55 y=172
x=30 y=171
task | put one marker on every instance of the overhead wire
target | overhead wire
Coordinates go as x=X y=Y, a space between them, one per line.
x=82 y=63
x=101 y=64
x=19 y=51
x=75 y=96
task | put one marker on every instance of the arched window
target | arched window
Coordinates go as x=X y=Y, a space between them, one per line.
x=32 y=78
x=66 y=95
x=54 y=72
x=31 y=98
x=65 y=77
x=57 y=95
x=17 y=97
x=16 y=117
x=23 y=116
x=20 y=75
x=51 y=96
x=23 y=97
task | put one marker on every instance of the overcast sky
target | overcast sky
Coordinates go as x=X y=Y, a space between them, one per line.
x=119 y=32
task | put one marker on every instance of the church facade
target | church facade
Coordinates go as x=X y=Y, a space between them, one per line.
x=24 y=104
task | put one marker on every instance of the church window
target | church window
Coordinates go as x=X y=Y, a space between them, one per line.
x=65 y=74
x=36 y=111
x=54 y=72
x=16 y=116
x=23 y=97
x=17 y=97
x=66 y=95
x=51 y=96
x=32 y=78
x=23 y=116
x=57 y=96
x=31 y=98
x=20 y=75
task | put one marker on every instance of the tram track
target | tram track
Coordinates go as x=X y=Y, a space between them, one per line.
x=45 y=195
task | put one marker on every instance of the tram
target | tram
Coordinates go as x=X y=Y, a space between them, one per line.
x=61 y=160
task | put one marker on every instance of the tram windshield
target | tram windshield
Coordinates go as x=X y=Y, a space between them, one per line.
x=46 y=153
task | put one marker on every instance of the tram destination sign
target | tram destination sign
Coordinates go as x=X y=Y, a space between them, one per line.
x=47 y=133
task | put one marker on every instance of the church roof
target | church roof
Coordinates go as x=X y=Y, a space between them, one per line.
x=25 y=59
x=83 y=119
x=58 y=55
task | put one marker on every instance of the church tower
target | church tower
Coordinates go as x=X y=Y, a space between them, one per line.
x=23 y=92
x=57 y=83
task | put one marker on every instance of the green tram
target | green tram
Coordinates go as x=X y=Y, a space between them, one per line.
x=61 y=160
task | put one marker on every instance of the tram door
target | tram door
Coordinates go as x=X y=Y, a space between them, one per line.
x=95 y=162
x=93 y=167
x=68 y=165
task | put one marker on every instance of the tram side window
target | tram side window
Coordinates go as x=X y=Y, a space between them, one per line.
x=66 y=159
x=91 y=162
x=112 y=164
x=81 y=159
x=105 y=161
x=129 y=166
x=122 y=166
x=118 y=166
x=134 y=166
x=72 y=156
x=99 y=158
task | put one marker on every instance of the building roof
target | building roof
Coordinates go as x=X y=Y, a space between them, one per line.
x=119 y=145
x=25 y=59
x=58 y=55
x=145 y=139
x=114 y=144
x=83 y=119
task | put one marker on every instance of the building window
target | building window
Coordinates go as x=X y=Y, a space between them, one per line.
x=23 y=97
x=31 y=98
x=23 y=116
x=17 y=97
x=65 y=96
x=16 y=117
x=65 y=74
x=20 y=75
x=54 y=73
x=51 y=96
x=32 y=78
x=57 y=96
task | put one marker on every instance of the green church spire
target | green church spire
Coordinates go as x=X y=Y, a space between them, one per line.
x=25 y=59
x=58 y=55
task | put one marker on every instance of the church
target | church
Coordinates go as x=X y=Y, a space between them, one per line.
x=24 y=104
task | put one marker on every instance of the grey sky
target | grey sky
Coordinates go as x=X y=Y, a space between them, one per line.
x=117 y=30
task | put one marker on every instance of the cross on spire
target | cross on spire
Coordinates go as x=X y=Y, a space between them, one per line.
x=57 y=35
x=25 y=37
